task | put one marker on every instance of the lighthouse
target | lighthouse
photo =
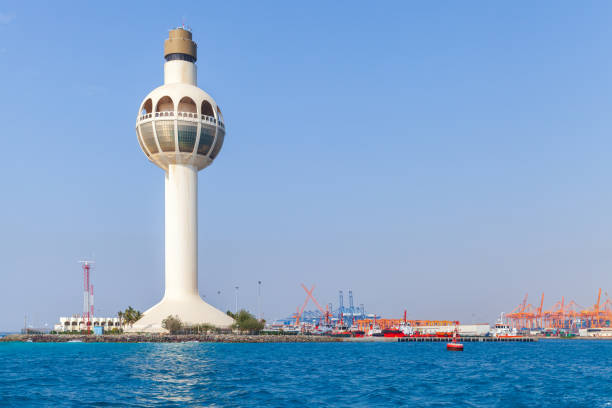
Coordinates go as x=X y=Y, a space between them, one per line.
x=180 y=129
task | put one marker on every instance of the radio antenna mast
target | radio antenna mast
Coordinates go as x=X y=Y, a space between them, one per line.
x=87 y=295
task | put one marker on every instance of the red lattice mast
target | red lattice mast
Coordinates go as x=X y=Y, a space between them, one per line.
x=88 y=308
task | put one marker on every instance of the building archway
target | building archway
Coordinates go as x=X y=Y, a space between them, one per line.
x=207 y=109
x=165 y=104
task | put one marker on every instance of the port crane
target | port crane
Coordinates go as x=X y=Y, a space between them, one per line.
x=325 y=313
x=563 y=315
x=309 y=296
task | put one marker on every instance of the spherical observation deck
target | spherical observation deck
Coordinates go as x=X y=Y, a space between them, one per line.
x=180 y=124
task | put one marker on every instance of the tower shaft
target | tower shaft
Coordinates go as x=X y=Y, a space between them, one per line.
x=180 y=72
x=181 y=231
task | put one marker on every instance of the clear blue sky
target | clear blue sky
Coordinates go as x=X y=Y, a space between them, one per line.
x=442 y=157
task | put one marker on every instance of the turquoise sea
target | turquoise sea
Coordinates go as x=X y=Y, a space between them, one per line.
x=545 y=374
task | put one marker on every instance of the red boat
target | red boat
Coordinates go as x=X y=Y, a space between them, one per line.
x=393 y=333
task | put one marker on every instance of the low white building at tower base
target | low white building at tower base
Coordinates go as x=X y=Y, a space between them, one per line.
x=77 y=323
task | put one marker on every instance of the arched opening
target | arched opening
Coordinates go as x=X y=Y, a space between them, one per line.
x=219 y=114
x=165 y=104
x=147 y=107
x=187 y=105
x=207 y=109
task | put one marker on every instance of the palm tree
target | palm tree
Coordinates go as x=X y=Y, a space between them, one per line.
x=137 y=315
x=131 y=315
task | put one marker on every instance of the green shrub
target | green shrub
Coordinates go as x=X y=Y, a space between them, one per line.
x=114 y=330
x=246 y=322
x=172 y=323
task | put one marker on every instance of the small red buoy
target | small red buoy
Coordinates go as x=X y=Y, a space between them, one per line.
x=453 y=345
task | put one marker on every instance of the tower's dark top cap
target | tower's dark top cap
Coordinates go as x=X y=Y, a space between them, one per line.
x=180 y=42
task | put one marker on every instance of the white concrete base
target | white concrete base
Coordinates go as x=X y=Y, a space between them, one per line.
x=191 y=310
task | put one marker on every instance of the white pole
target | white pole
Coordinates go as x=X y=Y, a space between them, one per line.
x=259 y=300
x=236 y=308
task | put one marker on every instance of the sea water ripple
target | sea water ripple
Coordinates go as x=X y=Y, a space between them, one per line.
x=545 y=374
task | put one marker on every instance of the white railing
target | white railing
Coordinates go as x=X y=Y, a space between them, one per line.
x=157 y=115
x=192 y=115
x=165 y=113
x=212 y=120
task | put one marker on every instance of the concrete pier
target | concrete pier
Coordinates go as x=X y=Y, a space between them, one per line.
x=467 y=339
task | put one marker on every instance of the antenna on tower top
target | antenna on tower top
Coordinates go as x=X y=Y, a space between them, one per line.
x=183 y=26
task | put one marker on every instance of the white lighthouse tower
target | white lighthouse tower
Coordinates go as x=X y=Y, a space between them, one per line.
x=180 y=128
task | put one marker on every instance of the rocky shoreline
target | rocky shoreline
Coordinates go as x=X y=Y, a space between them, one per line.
x=167 y=338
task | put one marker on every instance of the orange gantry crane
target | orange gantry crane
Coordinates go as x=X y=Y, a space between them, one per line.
x=570 y=316
x=598 y=316
x=523 y=316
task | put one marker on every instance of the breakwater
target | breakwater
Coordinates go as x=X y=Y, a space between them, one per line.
x=166 y=338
